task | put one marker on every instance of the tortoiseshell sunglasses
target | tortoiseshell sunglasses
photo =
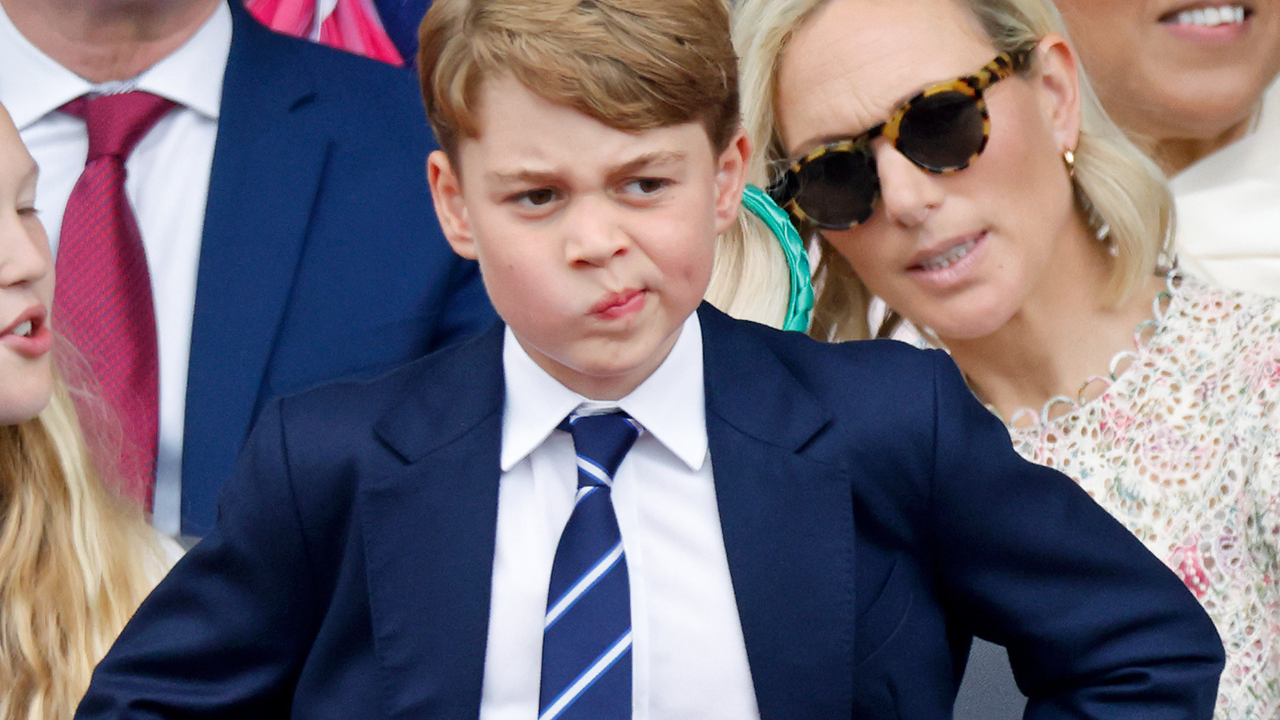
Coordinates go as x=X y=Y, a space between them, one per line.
x=941 y=130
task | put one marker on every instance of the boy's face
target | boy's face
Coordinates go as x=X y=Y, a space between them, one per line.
x=595 y=244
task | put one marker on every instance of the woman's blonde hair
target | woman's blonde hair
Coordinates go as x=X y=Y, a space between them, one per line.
x=76 y=560
x=1120 y=192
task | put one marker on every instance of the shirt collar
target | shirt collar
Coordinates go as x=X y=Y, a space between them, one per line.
x=192 y=75
x=34 y=85
x=670 y=404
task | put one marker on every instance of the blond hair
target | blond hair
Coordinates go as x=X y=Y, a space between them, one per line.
x=1119 y=191
x=75 y=562
x=634 y=65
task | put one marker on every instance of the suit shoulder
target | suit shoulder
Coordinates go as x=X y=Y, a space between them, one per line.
x=851 y=379
x=872 y=358
x=355 y=85
x=353 y=400
x=451 y=386
x=374 y=76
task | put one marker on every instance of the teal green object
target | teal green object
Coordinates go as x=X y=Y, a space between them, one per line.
x=801 y=304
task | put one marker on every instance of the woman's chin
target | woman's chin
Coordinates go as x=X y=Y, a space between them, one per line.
x=971 y=323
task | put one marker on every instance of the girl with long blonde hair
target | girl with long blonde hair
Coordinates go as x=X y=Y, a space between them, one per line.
x=75 y=558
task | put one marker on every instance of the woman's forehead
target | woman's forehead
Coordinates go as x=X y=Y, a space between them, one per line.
x=853 y=61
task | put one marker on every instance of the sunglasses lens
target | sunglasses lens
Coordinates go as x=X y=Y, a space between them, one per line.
x=942 y=132
x=838 y=189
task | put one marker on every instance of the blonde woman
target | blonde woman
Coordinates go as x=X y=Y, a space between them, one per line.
x=949 y=157
x=75 y=559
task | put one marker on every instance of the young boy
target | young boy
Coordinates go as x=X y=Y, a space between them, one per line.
x=799 y=530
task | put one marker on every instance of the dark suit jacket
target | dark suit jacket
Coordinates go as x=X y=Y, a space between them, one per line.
x=874 y=514
x=321 y=256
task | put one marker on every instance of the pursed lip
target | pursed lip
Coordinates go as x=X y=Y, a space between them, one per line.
x=920 y=260
x=619 y=303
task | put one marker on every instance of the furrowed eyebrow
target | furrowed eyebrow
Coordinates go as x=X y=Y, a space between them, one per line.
x=661 y=157
x=530 y=177
x=537 y=177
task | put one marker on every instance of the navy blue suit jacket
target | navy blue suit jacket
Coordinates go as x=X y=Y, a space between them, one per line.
x=874 y=515
x=321 y=257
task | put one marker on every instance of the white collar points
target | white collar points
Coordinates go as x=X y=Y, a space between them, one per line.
x=670 y=404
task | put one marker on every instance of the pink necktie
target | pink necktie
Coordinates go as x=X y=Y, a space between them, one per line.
x=102 y=302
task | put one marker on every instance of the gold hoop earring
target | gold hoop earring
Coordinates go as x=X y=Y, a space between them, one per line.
x=1069 y=159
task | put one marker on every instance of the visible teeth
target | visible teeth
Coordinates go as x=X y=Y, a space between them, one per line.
x=948 y=258
x=1212 y=17
x=24 y=329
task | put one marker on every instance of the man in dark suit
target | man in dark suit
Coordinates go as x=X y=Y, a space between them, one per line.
x=755 y=525
x=282 y=203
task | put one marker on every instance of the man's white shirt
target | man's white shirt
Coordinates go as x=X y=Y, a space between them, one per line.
x=167 y=184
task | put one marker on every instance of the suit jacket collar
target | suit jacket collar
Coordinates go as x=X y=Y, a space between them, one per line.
x=429 y=527
x=778 y=411
x=750 y=389
x=446 y=395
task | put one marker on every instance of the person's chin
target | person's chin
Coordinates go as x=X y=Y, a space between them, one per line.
x=25 y=404
x=971 y=322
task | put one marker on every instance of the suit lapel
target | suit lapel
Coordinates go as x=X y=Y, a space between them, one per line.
x=787 y=523
x=267 y=165
x=429 y=528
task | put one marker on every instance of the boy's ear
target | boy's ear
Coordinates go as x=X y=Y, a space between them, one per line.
x=731 y=178
x=1059 y=78
x=446 y=195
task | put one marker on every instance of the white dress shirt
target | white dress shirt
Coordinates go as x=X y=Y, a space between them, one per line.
x=688 y=655
x=1229 y=209
x=167 y=183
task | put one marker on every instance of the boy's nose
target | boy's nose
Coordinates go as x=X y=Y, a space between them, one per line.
x=907 y=192
x=595 y=233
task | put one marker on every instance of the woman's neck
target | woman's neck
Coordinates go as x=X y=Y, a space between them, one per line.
x=1064 y=333
x=1174 y=155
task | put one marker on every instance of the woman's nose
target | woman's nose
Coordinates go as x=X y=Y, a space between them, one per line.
x=907 y=192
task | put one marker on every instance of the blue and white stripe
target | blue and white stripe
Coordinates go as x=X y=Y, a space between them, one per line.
x=588 y=677
x=584 y=583
x=586 y=665
x=594 y=471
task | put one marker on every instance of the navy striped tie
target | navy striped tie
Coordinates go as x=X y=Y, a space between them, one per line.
x=586 y=642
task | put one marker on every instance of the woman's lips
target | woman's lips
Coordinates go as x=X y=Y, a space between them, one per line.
x=946 y=255
x=944 y=265
x=620 y=304
x=29 y=335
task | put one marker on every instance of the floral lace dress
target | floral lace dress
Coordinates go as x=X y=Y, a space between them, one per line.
x=1183 y=448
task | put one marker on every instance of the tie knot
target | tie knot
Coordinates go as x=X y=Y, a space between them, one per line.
x=601 y=441
x=117 y=122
